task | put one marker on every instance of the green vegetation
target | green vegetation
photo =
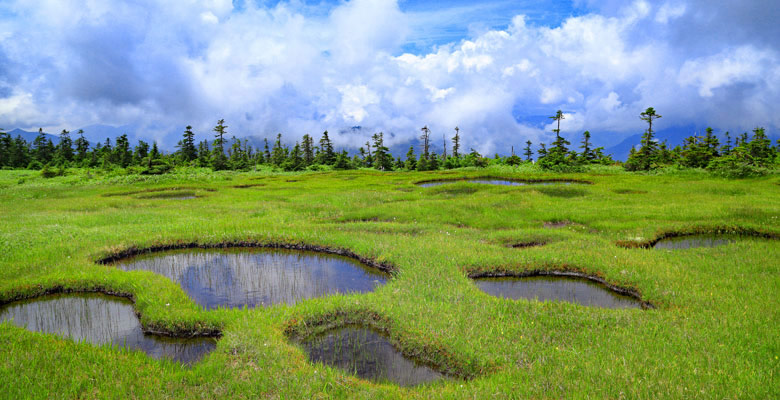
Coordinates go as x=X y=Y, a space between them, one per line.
x=713 y=333
x=749 y=158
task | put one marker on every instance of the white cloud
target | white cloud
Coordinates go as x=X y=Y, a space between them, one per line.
x=279 y=69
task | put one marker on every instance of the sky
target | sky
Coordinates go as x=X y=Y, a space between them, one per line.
x=496 y=69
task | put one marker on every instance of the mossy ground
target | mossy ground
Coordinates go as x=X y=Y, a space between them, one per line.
x=713 y=334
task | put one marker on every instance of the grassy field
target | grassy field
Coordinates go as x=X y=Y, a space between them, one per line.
x=714 y=331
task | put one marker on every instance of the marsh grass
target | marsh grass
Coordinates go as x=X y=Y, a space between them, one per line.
x=713 y=333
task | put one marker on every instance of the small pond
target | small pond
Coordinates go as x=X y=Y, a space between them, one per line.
x=554 y=288
x=257 y=277
x=692 y=241
x=367 y=354
x=503 y=182
x=101 y=319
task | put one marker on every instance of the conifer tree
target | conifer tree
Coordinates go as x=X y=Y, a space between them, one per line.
x=646 y=157
x=383 y=161
x=82 y=148
x=43 y=148
x=122 y=153
x=266 y=153
x=188 y=150
x=558 y=117
x=456 y=143
x=726 y=149
x=587 y=155
x=307 y=150
x=327 y=156
x=527 y=152
x=141 y=152
x=65 y=148
x=218 y=158
x=425 y=137
x=342 y=161
x=279 y=152
x=411 y=159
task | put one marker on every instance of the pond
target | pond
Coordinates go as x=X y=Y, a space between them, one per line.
x=553 y=288
x=692 y=241
x=367 y=354
x=502 y=182
x=258 y=277
x=101 y=319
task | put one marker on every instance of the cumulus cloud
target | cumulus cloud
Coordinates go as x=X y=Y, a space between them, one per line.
x=288 y=68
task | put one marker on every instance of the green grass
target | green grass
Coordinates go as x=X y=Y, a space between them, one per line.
x=713 y=334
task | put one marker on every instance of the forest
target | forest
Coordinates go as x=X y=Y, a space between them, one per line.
x=744 y=155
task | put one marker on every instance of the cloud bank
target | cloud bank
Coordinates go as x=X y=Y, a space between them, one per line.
x=297 y=69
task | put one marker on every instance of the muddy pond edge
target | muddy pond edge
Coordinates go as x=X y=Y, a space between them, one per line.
x=432 y=355
x=694 y=231
x=646 y=305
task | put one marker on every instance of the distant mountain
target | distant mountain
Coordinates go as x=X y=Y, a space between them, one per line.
x=30 y=136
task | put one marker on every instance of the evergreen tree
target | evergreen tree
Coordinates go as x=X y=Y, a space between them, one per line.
x=527 y=152
x=20 y=153
x=368 y=160
x=542 y=152
x=726 y=149
x=326 y=156
x=295 y=160
x=587 y=156
x=82 y=148
x=342 y=161
x=238 y=159
x=44 y=148
x=558 y=156
x=266 y=153
x=218 y=158
x=425 y=137
x=65 y=148
x=383 y=161
x=187 y=148
x=122 y=153
x=760 y=148
x=5 y=149
x=558 y=117
x=456 y=143
x=646 y=158
x=140 y=152
x=411 y=160
x=712 y=144
x=204 y=154
x=279 y=152
x=308 y=150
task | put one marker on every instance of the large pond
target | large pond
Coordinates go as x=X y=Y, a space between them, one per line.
x=101 y=319
x=367 y=354
x=503 y=182
x=258 y=277
x=692 y=241
x=570 y=289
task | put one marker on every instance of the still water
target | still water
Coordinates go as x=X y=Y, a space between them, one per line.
x=101 y=319
x=502 y=182
x=368 y=355
x=573 y=290
x=258 y=277
x=692 y=241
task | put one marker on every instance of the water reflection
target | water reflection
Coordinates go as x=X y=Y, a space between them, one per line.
x=100 y=319
x=687 y=242
x=502 y=182
x=251 y=277
x=369 y=355
x=573 y=290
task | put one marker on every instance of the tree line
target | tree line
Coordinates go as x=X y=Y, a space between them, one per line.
x=746 y=156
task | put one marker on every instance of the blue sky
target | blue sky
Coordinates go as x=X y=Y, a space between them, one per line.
x=493 y=68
